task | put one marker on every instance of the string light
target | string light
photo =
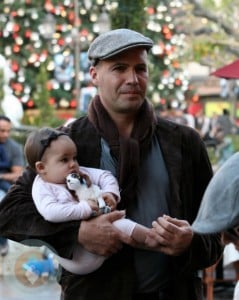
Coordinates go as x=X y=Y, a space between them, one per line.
x=171 y=82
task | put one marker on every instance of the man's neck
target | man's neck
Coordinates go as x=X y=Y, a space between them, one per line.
x=124 y=124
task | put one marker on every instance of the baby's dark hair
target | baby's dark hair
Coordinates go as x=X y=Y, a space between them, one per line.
x=37 y=142
x=5 y=118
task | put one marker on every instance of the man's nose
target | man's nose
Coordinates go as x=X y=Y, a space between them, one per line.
x=6 y=134
x=132 y=76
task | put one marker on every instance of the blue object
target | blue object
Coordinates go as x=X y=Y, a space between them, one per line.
x=40 y=266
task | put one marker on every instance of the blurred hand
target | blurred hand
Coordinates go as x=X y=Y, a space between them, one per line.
x=170 y=235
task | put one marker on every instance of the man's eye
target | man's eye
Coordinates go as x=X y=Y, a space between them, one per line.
x=141 y=69
x=119 y=68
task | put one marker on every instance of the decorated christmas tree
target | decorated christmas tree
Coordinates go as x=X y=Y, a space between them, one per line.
x=169 y=82
x=57 y=34
x=36 y=32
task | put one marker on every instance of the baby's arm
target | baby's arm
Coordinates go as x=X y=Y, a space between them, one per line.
x=54 y=209
x=136 y=231
x=55 y=212
x=105 y=180
x=111 y=195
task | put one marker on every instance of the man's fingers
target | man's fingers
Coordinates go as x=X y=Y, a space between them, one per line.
x=115 y=215
x=164 y=227
x=175 y=221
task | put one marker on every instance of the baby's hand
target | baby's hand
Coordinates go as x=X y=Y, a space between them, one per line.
x=110 y=200
x=94 y=206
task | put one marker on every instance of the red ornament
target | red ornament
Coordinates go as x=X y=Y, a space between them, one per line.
x=30 y=103
x=49 y=86
x=178 y=82
x=28 y=33
x=16 y=27
x=52 y=101
x=61 y=42
x=15 y=66
x=84 y=32
x=49 y=6
x=73 y=103
x=71 y=16
x=165 y=73
x=16 y=48
x=176 y=64
x=15 y=35
x=195 y=98
x=59 y=27
x=166 y=32
x=150 y=11
x=13 y=13
x=165 y=29
x=168 y=36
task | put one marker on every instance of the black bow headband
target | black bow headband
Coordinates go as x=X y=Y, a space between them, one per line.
x=47 y=141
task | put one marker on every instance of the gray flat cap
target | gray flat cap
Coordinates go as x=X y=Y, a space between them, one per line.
x=219 y=209
x=115 y=41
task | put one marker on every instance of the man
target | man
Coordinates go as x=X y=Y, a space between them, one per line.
x=163 y=170
x=11 y=165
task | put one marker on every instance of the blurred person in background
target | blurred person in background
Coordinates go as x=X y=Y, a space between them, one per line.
x=11 y=165
x=225 y=123
x=203 y=125
x=219 y=210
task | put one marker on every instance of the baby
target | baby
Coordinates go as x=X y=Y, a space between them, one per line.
x=52 y=154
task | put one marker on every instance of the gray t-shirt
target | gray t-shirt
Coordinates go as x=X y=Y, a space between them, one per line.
x=152 y=197
x=14 y=152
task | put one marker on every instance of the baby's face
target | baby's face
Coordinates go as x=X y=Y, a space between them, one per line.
x=59 y=160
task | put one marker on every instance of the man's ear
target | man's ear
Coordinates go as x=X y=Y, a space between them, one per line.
x=40 y=167
x=93 y=74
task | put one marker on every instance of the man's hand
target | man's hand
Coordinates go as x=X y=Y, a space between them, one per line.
x=170 y=236
x=99 y=236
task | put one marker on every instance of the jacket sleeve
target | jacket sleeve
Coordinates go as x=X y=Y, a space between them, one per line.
x=20 y=221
